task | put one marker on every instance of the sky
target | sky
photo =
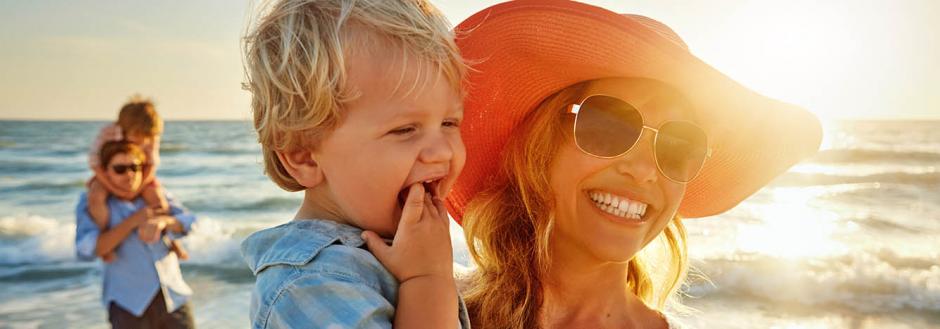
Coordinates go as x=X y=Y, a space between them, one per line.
x=841 y=59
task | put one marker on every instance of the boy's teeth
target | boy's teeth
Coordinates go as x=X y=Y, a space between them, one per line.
x=618 y=205
x=431 y=186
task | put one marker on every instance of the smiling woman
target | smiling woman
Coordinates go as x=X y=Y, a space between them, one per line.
x=595 y=162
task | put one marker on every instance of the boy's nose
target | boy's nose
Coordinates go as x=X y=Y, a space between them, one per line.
x=438 y=150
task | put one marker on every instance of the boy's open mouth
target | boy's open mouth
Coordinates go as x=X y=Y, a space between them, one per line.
x=430 y=186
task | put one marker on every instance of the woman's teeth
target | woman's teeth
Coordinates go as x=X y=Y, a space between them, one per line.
x=618 y=206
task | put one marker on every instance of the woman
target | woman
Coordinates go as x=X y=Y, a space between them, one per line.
x=603 y=131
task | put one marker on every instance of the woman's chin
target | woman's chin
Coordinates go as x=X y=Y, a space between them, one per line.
x=615 y=255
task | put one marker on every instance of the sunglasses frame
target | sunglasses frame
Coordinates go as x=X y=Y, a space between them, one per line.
x=576 y=107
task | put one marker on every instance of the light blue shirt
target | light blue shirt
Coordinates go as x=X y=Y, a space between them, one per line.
x=317 y=274
x=140 y=270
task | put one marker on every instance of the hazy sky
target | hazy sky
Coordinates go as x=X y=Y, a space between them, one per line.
x=81 y=59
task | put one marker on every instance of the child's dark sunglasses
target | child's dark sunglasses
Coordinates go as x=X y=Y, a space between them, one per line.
x=120 y=169
x=608 y=127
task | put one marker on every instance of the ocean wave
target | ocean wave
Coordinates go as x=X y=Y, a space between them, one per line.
x=205 y=168
x=872 y=155
x=35 y=239
x=44 y=272
x=68 y=152
x=31 y=240
x=864 y=281
x=24 y=226
x=19 y=167
x=813 y=179
x=884 y=225
x=170 y=148
x=178 y=149
x=898 y=201
x=52 y=187
x=233 y=273
x=212 y=242
x=266 y=204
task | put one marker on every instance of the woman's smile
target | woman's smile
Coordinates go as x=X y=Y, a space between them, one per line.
x=620 y=206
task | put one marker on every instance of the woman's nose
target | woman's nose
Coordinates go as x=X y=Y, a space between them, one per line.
x=640 y=162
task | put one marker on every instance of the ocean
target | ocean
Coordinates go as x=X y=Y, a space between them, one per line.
x=846 y=239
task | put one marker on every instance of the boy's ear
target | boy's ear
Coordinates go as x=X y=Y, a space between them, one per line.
x=302 y=167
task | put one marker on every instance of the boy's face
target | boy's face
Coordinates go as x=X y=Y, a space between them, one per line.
x=390 y=139
x=141 y=140
x=124 y=172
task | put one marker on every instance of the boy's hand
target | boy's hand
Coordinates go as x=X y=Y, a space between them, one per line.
x=149 y=224
x=141 y=216
x=151 y=230
x=421 y=247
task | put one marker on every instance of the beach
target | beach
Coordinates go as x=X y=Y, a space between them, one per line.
x=846 y=239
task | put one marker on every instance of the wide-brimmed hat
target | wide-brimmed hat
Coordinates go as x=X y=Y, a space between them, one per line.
x=524 y=51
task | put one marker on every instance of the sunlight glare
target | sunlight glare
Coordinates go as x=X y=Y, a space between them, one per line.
x=791 y=228
x=787 y=48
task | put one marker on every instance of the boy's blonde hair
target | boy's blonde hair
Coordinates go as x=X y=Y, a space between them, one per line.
x=508 y=228
x=296 y=58
x=138 y=117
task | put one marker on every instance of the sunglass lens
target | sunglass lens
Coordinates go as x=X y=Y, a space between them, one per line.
x=606 y=126
x=121 y=169
x=681 y=149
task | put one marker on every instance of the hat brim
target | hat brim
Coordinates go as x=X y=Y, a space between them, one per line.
x=524 y=51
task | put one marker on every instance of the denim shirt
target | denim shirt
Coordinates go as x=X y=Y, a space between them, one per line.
x=140 y=269
x=317 y=274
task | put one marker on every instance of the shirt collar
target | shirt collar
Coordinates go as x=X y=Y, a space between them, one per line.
x=296 y=242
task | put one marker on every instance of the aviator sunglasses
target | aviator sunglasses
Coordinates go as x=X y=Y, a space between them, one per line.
x=608 y=127
x=120 y=169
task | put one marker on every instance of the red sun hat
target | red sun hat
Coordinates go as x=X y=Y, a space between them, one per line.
x=524 y=51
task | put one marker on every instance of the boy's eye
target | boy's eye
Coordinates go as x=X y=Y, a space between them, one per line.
x=403 y=130
x=454 y=123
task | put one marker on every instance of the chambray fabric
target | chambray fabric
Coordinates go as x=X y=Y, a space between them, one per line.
x=141 y=270
x=318 y=274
